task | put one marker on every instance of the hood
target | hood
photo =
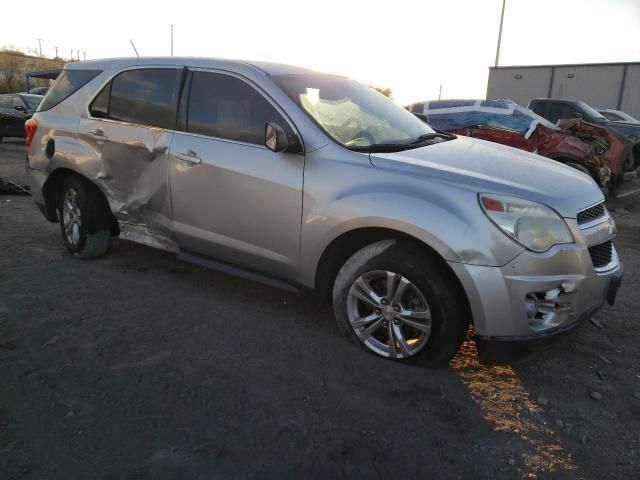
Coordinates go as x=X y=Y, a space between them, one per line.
x=489 y=167
x=626 y=128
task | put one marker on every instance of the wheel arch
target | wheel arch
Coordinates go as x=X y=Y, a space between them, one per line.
x=51 y=191
x=345 y=245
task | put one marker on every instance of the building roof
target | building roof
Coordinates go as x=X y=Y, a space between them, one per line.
x=607 y=64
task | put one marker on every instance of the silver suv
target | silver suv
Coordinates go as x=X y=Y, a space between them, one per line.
x=316 y=182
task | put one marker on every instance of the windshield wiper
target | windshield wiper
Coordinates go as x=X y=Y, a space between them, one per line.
x=382 y=147
x=430 y=136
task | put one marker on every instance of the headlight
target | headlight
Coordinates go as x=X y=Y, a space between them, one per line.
x=535 y=226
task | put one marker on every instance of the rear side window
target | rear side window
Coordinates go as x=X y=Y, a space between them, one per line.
x=226 y=107
x=67 y=83
x=559 y=111
x=145 y=96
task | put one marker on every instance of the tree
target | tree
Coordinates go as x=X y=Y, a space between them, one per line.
x=387 y=92
x=10 y=67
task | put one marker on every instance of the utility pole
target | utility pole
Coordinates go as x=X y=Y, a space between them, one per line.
x=84 y=55
x=56 y=51
x=440 y=93
x=500 y=33
x=172 y=39
x=71 y=54
x=40 y=46
x=134 y=48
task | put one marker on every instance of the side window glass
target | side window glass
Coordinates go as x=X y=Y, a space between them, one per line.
x=227 y=107
x=100 y=106
x=553 y=112
x=417 y=108
x=5 y=101
x=146 y=96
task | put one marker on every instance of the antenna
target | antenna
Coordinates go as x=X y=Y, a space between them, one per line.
x=134 y=48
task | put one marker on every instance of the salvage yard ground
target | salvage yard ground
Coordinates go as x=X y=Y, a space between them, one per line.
x=138 y=366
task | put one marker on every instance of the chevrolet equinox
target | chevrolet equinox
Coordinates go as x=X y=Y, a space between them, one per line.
x=316 y=182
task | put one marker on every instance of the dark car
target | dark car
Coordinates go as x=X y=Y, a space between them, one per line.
x=600 y=152
x=39 y=91
x=15 y=109
x=554 y=109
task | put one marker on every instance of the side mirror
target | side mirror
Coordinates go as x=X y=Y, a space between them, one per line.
x=20 y=108
x=276 y=139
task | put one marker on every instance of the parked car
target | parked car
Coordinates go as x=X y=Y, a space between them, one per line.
x=316 y=182
x=618 y=115
x=554 y=109
x=597 y=151
x=39 y=90
x=15 y=108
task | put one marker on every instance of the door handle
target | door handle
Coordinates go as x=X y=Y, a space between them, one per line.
x=98 y=135
x=189 y=157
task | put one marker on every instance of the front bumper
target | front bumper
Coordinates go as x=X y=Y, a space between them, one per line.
x=537 y=295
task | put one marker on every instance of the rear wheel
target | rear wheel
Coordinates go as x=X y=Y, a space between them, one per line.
x=396 y=302
x=84 y=218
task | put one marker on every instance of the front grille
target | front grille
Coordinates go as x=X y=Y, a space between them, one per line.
x=589 y=214
x=601 y=254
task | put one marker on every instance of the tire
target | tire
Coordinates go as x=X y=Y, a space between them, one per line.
x=85 y=220
x=0 y=139
x=427 y=297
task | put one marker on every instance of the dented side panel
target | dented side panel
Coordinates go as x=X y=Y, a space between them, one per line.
x=133 y=171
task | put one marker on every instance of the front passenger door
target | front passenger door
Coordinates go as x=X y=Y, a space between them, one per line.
x=233 y=199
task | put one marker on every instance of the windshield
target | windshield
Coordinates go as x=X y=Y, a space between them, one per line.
x=534 y=116
x=352 y=114
x=590 y=112
x=32 y=101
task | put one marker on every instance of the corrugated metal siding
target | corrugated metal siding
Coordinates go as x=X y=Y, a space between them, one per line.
x=599 y=86
x=504 y=84
x=631 y=94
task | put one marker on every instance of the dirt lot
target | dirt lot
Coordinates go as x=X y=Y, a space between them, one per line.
x=139 y=366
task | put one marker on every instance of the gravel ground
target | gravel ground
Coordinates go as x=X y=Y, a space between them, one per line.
x=138 y=366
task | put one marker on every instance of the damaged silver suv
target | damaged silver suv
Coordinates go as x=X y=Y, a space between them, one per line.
x=316 y=182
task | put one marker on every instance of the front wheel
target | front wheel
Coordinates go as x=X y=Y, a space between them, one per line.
x=396 y=302
x=84 y=218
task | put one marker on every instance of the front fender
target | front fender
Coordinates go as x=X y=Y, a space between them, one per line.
x=456 y=229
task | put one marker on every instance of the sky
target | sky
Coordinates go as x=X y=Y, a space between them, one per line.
x=413 y=47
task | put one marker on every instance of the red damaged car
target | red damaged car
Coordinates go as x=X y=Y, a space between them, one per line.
x=600 y=152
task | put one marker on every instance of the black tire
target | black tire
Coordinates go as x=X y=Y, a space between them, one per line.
x=93 y=236
x=0 y=139
x=449 y=320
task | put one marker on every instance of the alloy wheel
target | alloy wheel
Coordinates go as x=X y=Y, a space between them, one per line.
x=389 y=314
x=71 y=217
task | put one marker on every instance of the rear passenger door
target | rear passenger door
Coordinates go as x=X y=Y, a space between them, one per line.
x=130 y=126
x=234 y=199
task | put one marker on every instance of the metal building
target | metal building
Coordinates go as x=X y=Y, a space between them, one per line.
x=601 y=85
